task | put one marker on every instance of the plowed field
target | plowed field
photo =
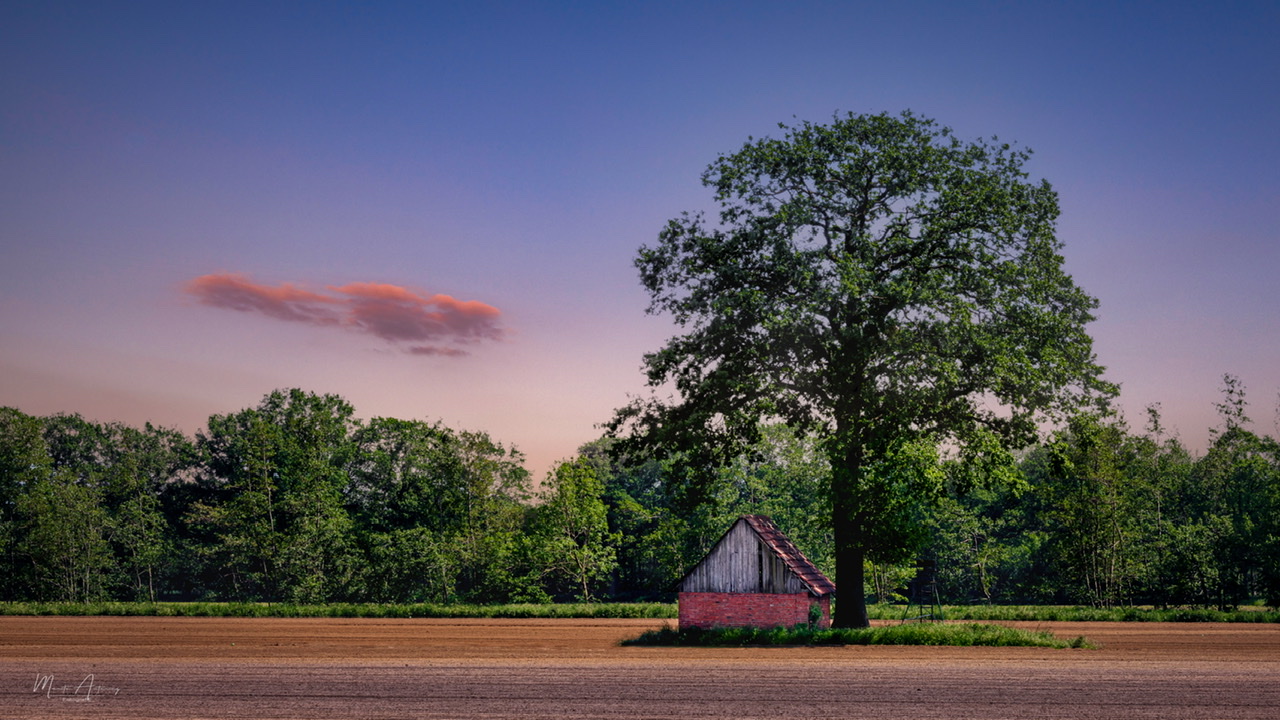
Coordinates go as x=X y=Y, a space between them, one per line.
x=141 y=668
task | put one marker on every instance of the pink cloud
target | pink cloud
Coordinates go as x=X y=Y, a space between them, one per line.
x=390 y=312
x=436 y=351
x=396 y=314
x=286 y=302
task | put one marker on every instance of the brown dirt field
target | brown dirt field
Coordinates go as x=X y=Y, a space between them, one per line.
x=143 y=668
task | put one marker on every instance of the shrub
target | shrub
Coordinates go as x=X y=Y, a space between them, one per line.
x=954 y=634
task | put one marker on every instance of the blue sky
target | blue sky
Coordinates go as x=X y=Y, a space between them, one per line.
x=316 y=156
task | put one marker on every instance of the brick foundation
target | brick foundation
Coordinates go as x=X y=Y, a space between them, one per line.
x=706 y=609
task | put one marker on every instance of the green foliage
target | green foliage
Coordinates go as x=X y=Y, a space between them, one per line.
x=93 y=508
x=142 y=463
x=24 y=461
x=1235 y=499
x=408 y=565
x=1076 y=613
x=969 y=551
x=636 y=511
x=881 y=282
x=1113 y=518
x=954 y=634
x=285 y=505
x=1087 y=496
x=364 y=610
x=575 y=549
x=438 y=512
x=407 y=474
x=275 y=476
x=893 y=613
x=495 y=492
x=67 y=538
x=785 y=476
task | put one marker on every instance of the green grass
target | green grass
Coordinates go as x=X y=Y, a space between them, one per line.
x=957 y=634
x=1063 y=613
x=345 y=610
x=982 y=613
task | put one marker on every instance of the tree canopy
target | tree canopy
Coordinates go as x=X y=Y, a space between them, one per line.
x=884 y=284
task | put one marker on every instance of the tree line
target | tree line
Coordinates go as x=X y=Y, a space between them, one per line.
x=298 y=500
x=293 y=500
x=1097 y=513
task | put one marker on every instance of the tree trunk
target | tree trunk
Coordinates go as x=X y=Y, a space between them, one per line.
x=851 y=609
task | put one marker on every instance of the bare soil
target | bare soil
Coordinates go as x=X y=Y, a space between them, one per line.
x=144 y=668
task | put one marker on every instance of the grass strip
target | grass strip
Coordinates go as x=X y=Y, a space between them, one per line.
x=1063 y=613
x=957 y=634
x=981 y=613
x=345 y=610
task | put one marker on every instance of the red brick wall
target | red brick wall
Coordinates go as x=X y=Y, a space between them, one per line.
x=707 y=610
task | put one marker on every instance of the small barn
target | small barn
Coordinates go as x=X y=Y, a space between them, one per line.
x=754 y=576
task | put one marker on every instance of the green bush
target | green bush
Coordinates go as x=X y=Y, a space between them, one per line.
x=952 y=634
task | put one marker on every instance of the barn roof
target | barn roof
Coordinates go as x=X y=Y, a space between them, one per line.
x=774 y=542
x=809 y=574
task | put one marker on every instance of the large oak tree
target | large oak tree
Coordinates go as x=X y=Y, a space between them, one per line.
x=882 y=283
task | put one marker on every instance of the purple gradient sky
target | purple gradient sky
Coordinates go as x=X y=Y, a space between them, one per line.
x=518 y=154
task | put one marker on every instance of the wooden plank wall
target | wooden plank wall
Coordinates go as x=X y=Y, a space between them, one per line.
x=741 y=563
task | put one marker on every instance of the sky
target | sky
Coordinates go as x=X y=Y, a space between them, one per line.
x=432 y=209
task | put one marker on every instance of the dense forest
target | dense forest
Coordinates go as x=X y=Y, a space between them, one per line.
x=299 y=500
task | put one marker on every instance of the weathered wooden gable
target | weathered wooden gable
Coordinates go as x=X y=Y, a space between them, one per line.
x=742 y=562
